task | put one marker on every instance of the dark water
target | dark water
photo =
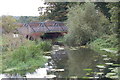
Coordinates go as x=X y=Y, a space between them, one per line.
x=77 y=63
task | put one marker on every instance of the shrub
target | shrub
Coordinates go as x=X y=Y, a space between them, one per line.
x=107 y=41
x=85 y=24
x=26 y=56
x=45 y=45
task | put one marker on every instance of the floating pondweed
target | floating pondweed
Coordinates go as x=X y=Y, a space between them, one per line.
x=104 y=55
x=108 y=63
x=111 y=75
x=87 y=73
x=106 y=59
x=100 y=66
x=99 y=73
x=111 y=68
x=87 y=69
x=117 y=65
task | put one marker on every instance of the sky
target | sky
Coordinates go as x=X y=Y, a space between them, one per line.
x=20 y=7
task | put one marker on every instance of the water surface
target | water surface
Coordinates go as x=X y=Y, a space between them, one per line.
x=78 y=63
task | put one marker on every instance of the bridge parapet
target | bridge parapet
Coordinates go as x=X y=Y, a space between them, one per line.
x=47 y=27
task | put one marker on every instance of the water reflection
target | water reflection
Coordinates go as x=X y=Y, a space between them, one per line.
x=77 y=63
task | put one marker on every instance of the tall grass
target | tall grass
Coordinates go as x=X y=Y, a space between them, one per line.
x=23 y=56
x=45 y=45
x=105 y=42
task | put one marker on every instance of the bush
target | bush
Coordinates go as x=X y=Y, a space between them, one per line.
x=45 y=45
x=85 y=24
x=107 y=41
x=27 y=56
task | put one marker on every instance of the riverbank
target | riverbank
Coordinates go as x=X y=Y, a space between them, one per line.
x=108 y=48
x=106 y=45
x=25 y=58
x=20 y=55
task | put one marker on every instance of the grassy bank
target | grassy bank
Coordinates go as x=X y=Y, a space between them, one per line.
x=23 y=55
x=106 y=45
x=106 y=41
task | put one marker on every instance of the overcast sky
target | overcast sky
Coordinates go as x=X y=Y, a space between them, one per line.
x=20 y=7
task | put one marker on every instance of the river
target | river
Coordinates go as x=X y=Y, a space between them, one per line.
x=69 y=63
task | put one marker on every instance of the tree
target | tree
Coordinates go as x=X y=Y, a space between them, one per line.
x=27 y=19
x=43 y=18
x=9 y=23
x=84 y=23
x=102 y=6
x=58 y=10
x=115 y=21
x=105 y=24
x=114 y=11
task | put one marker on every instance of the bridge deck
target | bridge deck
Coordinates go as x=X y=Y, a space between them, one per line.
x=46 y=27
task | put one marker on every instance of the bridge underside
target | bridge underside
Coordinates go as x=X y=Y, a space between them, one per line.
x=51 y=35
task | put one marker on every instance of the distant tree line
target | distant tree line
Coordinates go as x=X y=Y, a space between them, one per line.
x=27 y=19
x=9 y=23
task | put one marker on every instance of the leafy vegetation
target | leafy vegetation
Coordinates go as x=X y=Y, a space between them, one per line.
x=114 y=11
x=24 y=57
x=58 y=11
x=8 y=23
x=102 y=6
x=45 y=45
x=86 y=21
x=86 y=26
x=105 y=42
x=27 y=19
x=97 y=26
x=22 y=54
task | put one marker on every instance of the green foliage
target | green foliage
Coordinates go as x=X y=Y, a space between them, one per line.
x=105 y=41
x=23 y=56
x=58 y=10
x=45 y=45
x=84 y=24
x=27 y=56
x=102 y=6
x=114 y=11
x=115 y=19
x=8 y=23
x=27 y=19
x=43 y=18
x=60 y=39
x=9 y=43
x=0 y=63
x=105 y=25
